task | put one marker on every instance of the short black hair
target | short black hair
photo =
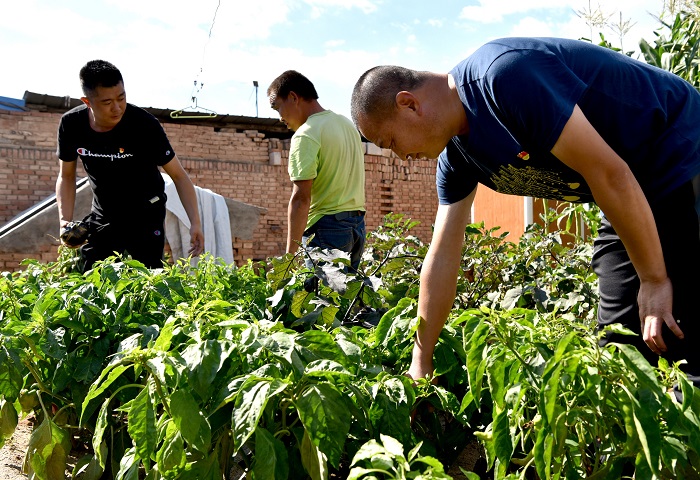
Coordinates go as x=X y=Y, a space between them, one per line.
x=292 y=81
x=375 y=91
x=99 y=73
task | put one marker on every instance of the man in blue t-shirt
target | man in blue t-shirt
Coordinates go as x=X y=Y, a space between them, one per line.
x=121 y=147
x=567 y=120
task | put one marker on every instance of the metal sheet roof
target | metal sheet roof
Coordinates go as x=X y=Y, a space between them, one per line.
x=273 y=127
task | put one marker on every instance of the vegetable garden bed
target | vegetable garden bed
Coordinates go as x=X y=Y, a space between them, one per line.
x=197 y=372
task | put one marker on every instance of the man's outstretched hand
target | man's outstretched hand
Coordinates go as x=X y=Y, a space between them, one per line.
x=655 y=301
x=196 y=241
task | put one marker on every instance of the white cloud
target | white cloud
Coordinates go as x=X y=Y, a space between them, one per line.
x=491 y=11
x=366 y=6
x=334 y=43
x=531 y=27
x=435 y=23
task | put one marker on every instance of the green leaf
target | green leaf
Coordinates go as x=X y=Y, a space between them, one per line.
x=112 y=372
x=100 y=427
x=391 y=445
x=331 y=274
x=551 y=395
x=299 y=299
x=327 y=368
x=543 y=453
x=192 y=424
x=204 y=360
x=352 y=350
x=328 y=314
x=313 y=459
x=271 y=460
x=207 y=468
x=47 y=452
x=86 y=368
x=384 y=327
x=369 y=449
x=648 y=431
x=10 y=378
x=8 y=420
x=496 y=372
x=171 y=455
x=640 y=366
x=52 y=344
x=281 y=345
x=129 y=465
x=641 y=468
x=503 y=443
x=326 y=419
x=87 y=468
x=142 y=426
x=469 y=475
x=250 y=405
x=165 y=336
x=317 y=344
x=476 y=360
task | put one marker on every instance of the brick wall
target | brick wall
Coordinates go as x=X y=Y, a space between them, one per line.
x=235 y=163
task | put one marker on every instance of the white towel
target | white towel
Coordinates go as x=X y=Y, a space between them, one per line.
x=216 y=224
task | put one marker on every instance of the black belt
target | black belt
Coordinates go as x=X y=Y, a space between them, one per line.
x=352 y=213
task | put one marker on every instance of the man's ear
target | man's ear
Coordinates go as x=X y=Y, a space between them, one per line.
x=405 y=99
x=85 y=100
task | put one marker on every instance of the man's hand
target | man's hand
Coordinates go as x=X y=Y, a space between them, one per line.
x=196 y=240
x=421 y=364
x=74 y=234
x=655 y=301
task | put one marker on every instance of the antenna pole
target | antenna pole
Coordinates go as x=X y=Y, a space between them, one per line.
x=255 y=84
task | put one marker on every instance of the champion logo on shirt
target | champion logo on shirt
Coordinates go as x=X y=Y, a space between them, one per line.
x=524 y=155
x=84 y=152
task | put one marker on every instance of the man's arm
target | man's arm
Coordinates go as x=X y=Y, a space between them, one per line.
x=438 y=281
x=188 y=197
x=298 y=213
x=620 y=197
x=65 y=191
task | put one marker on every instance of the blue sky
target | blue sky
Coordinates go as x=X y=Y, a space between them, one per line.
x=163 y=46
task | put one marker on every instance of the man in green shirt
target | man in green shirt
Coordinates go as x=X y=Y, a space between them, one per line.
x=326 y=166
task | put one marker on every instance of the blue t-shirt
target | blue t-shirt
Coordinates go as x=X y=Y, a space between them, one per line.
x=518 y=93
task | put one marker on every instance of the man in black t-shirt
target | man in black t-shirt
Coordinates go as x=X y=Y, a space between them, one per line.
x=121 y=147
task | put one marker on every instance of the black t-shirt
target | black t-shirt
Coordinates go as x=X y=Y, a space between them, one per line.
x=122 y=164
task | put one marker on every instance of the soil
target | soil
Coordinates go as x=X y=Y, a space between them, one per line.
x=471 y=459
x=12 y=453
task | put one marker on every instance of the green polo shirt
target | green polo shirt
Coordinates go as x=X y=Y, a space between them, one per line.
x=327 y=149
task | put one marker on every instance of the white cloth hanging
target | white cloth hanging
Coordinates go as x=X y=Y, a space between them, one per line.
x=216 y=224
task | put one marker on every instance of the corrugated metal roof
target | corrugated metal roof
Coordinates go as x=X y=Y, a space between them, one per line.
x=12 y=104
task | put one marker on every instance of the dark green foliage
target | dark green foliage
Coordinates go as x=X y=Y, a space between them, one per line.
x=194 y=372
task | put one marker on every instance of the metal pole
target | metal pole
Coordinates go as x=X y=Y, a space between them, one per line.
x=255 y=84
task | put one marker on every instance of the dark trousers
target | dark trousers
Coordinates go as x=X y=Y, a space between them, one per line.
x=677 y=223
x=142 y=237
x=343 y=231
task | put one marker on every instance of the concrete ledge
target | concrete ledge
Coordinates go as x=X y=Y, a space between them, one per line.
x=41 y=230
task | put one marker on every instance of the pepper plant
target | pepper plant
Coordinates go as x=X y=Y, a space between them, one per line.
x=203 y=372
